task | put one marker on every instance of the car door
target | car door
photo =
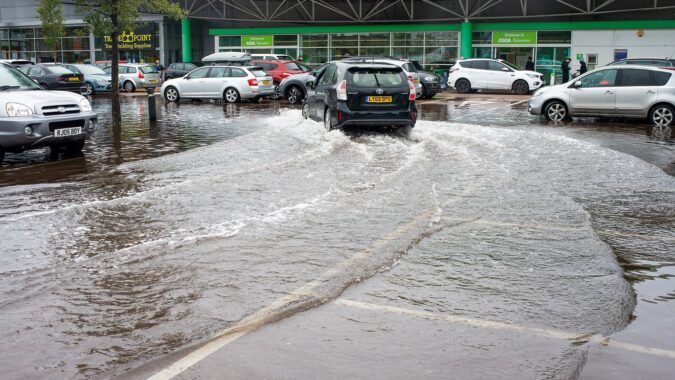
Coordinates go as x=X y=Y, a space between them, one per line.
x=215 y=82
x=594 y=94
x=193 y=84
x=322 y=90
x=636 y=92
x=500 y=77
x=479 y=75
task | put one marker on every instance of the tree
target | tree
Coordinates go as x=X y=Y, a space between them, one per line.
x=53 y=28
x=113 y=17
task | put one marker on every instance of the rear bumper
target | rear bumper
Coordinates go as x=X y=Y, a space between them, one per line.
x=13 y=137
x=344 y=117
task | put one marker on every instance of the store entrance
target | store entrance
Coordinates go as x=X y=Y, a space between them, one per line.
x=516 y=56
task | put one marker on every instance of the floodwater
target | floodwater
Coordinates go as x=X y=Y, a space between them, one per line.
x=158 y=237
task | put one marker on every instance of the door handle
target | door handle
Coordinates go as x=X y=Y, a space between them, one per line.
x=651 y=92
x=609 y=92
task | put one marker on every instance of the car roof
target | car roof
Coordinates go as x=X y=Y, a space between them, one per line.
x=366 y=65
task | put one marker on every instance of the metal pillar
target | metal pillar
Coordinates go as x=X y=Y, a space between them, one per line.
x=186 y=26
x=466 y=35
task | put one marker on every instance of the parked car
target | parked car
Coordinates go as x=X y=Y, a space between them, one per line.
x=231 y=83
x=431 y=83
x=492 y=74
x=613 y=91
x=294 y=87
x=95 y=79
x=16 y=62
x=280 y=69
x=53 y=77
x=227 y=58
x=283 y=57
x=179 y=69
x=407 y=66
x=361 y=94
x=104 y=64
x=133 y=76
x=668 y=64
x=32 y=118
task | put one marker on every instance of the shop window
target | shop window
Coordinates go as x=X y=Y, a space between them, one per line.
x=229 y=41
x=481 y=38
x=369 y=51
x=344 y=52
x=4 y=34
x=414 y=53
x=314 y=40
x=314 y=56
x=441 y=38
x=21 y=33
x=482 y=52
x=439 y=55
x=408 y=39
x=554 y=37
x=375 y=39
x=75 y=43
x=286 y=40
x=345 y=40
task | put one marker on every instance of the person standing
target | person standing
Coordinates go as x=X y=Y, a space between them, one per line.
x=565 y=67
x=529 y=65
x=582 y=67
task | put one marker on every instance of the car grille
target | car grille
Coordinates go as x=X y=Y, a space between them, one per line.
x=54 y=110
x=66 y=124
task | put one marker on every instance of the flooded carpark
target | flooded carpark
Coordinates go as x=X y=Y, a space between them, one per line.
x=486 y=243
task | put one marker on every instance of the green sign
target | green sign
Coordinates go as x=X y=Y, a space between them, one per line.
x=514 y=38
x=257 y=40
x=580 y=56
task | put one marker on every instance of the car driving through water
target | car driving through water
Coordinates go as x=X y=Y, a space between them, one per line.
x=31 y=117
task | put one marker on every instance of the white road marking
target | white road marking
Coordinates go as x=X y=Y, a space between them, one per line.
x=577 y=337
x=474 y=102
x=520 y=102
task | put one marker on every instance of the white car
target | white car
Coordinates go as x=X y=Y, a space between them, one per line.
x=492 y=74
x=407 y=66
x=230 y=83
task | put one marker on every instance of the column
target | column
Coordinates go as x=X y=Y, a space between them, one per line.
x=186 y=26
x=466 y=35
x=162 y=46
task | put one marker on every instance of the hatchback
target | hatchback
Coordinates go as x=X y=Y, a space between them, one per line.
x=611 y=91
x=492 y=74
x=361 y=94
x=179 y=69
x=53 y=77
x=133 y=76
x=230 y=83
x=280 y=69
x=95 y=79
x=408 y=67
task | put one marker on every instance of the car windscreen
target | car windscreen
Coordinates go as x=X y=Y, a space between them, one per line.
x=148 y=70
x=258 y=73
x=371 y=77
x=12 y=79
x=294 y=66
x=304 y=67
x=58 y=70
x=93 y=70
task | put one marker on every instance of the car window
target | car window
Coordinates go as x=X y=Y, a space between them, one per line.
x=199 y=73
x=496 y=66
x=292 y=66
x=480 y=65
x=327 y=77
x=409 y=67
x=319 y=70
x=90 y=69
x=259 y=73
x=375 y=78
x=661 y=78
x=604 y=78
x=59 y=70
x=635 y=77
x=189 y=66
x=218 y=72
x=148 y=70
x=130 y=70
x=467 y=65
x=72 y=68
x=238 y=73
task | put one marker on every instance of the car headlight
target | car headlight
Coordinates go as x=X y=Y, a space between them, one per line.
x=18 y=110
x=430 y=78
x=535 y=76
x=85 y=106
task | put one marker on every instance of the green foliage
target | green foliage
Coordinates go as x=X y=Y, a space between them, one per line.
x=105 y=16
x=53 y=27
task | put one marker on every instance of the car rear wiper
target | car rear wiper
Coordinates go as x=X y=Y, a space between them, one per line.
x=376 y=80
x=4 y=88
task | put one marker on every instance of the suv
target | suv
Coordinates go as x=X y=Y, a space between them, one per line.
x=613 y=91
x=277 y=57
x=361 y=94
x=179 y=69
x=492 y=74
x=230 y=83
x=280 y=69
x=407 y=66
x=294 y=87
x=33 y=118
x=668 y=64
x=133 y=76
x=431 y=84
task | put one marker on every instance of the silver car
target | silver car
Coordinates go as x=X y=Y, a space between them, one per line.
x=230 y=83
x=33 y=118
x=133 y=76
x=612 y=91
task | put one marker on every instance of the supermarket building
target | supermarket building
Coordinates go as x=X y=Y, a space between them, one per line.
x=433 y=32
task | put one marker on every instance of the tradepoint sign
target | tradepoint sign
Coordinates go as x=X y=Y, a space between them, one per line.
x=514 y=38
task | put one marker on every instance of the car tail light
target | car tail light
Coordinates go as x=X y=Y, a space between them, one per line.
x=342 y=90
x=140 y=74
x=285 y=75
x=410 y=77
x=413 y=94
x=63 y=78
x=252 y=82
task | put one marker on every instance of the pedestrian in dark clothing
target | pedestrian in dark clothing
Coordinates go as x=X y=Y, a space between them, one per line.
x=529 y=65
x=582 y=67
x=565 y=67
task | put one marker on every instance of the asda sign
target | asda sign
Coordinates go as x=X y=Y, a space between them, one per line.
x=251 y=41
x=514 y=38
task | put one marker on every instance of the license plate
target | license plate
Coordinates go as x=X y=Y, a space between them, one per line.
x=73 y=79
x=153 y=80
x=64 y=132
x=265 y=83
x=378 y=99
x=417 y=81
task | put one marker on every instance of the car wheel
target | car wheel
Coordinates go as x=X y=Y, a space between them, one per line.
x=74 y=147
x=520 y=87
x=171 y=94
x=44 y=86
x=556 y=111
x=89 y=89
x=276 y=95
x=328 y=120
x=129 y=86
x=305 y=110
x=662 y=115
x=424 y=92
x=463 y=86
x=294 y=94
x=231 y=95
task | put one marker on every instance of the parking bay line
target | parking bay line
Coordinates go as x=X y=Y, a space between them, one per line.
x=481 y=323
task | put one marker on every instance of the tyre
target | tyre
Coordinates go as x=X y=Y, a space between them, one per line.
x=89 y=89
x=74 y=147
x=556 y=111
x=276 y=95
x=662 y=115
x=171 y=94
x=305 y=110
x=44 y=86
x=520 y=87
x=129 y=86
x=463 y=86
x=424 y=92
x=295 y=94
x=328 y=120
x=231 y=95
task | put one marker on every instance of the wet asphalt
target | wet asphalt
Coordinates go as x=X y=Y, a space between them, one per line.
x=487 y=243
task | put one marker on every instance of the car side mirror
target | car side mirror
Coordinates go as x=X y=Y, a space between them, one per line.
x=310 y=84
x=577 y=84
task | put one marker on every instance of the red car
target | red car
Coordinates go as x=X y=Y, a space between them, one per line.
x=279 y=69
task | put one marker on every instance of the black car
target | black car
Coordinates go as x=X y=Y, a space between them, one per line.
x=431 y=83
x=361 y=94
x=53 y=77
x=179 y=69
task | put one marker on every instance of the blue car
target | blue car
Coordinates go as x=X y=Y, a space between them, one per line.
x=95 y=79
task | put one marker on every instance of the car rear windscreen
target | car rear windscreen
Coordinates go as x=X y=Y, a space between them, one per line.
x=376 y=78
x=259 y=73
x=293 y=66
x=149 y=70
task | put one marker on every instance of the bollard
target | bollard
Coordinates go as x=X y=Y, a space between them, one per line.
x=152 y=111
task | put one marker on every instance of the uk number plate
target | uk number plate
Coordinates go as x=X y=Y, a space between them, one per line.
x=378 y=99
x=153 y=80
x=73 y=79
x=265 y=83
x=65 y=132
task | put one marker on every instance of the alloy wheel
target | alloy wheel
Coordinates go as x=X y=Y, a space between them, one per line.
x=327 y=120
x=293 y=95
x=231 y=95
x=129 y=87
x=305 y=110
x=276 y=95
x=89 y=89
x=662 y=117
x=171 y=94
x=556 y=112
